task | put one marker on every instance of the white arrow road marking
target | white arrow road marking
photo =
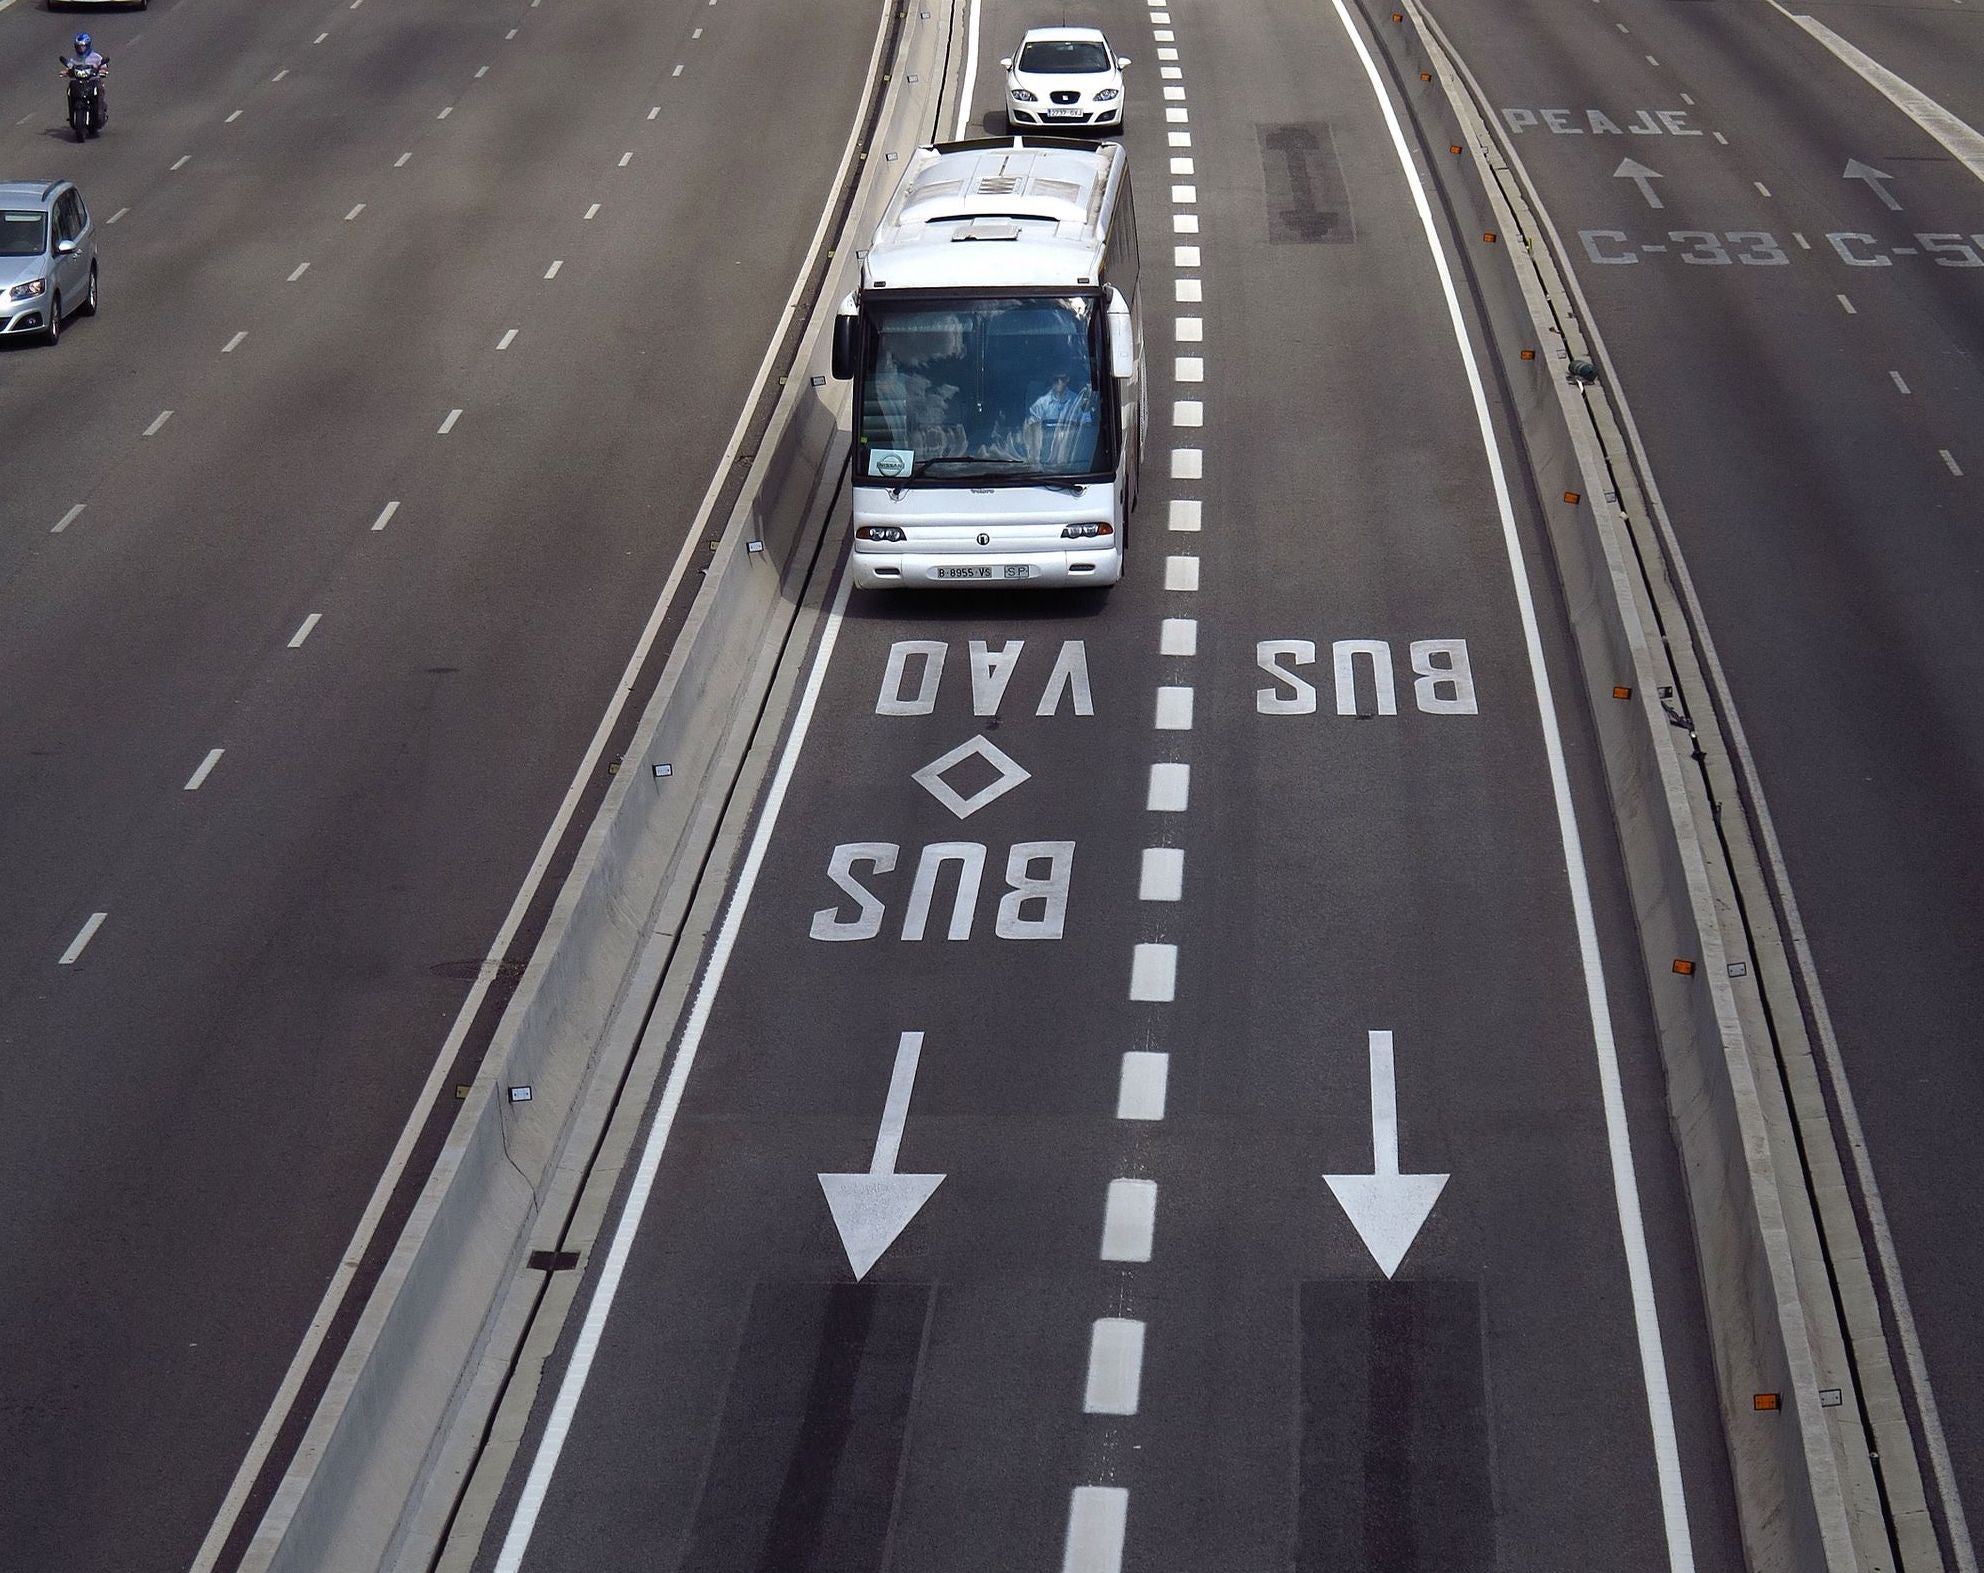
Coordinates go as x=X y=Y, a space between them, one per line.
x=1642 y=177
x=871 y=1209
x=1855 y=170
x=1388 y=1208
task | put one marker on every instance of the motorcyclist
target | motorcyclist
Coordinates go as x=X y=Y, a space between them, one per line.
x=87 y=56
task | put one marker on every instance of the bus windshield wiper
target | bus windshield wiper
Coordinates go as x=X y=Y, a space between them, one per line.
x=1071 y=488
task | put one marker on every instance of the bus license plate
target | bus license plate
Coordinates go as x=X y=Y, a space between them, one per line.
x=965 y=573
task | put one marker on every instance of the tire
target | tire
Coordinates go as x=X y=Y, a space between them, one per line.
x=88 y=307
x=54 y=336
x=79 y=122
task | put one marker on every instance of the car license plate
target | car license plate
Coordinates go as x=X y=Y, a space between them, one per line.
x=1067 y=114
x=965 y=573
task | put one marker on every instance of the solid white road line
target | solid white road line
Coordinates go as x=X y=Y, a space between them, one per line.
x=1181 y=573
x=233 y=344
x=1097 y=1516
x=1154 y=973
x=448 y=425
x=1129 y=1218
x=1115 y=1366
x=301 y=269
x=303 y=632
x=509 y=337
x=1174 y=709
x=1186 y=513
x=1625 y=1186
x=1170 y=789
x=1188 y=412
x=164 y=416
x=385 y=515
x=206 y=769
x=68 y=958
x=970 y=78
x=1187 y=464
x=1140 y=1093
x=1163 y=875
x=1178 y=636
x=67 y=519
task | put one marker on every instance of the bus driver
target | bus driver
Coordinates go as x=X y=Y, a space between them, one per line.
x=1063 y=411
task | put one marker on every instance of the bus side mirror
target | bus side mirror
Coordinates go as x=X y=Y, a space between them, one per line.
x=1122 y=338
x=847 y=347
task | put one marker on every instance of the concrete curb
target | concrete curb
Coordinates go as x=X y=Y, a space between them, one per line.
x=1805 y=1492
x=375 y=1477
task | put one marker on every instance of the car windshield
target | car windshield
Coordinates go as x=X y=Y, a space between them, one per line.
x=1070 y=56
x=1000 y=389
x=23 y=234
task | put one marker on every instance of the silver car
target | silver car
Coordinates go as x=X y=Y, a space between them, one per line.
x=47 y=258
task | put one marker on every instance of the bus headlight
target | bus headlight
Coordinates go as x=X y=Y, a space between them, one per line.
x=880 y=532
x=1085 y=532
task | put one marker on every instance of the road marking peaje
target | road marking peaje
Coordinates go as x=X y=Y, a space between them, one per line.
x=233 y=344
x=385 y=515
x=303 y=631
x=206 y=769
x=152 y=430
x=68 y=519
x=1163 y=875
x=68 y=957
x=1170 y=788
x=1140 y=1093
x=448 y=425
x=1115 y=1366
x=1181 y=573
x=1096 y=1519
x=1178 y=636
x=1129 y=1216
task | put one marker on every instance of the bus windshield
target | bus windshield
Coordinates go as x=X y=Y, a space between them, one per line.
x=997 y=389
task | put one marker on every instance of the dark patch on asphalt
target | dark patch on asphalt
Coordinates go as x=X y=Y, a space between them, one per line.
x=1307 y=200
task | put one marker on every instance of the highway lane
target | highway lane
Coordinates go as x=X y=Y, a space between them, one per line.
x=1812 y=406
x=201 y=1103
x=1132 y=1326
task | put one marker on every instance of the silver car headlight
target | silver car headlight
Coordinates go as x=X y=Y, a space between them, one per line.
x=1106 y=95
x=29 y=290
x=1021 y=95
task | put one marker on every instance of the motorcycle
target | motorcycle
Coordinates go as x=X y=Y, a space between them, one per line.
x=89 y=109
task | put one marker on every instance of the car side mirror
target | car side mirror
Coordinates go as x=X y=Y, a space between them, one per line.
x=847 y=347
x=1122 y=62
x=64 y=247
x=1007 y=62
x=1122 y=337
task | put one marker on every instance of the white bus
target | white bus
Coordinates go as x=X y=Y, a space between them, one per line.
x=996 y=350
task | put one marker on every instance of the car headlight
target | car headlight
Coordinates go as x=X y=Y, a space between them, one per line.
x=29 y=290
x=1021 y=95
x=1106 y=94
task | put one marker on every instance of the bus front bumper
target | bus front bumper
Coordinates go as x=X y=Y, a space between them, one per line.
x=887 y=569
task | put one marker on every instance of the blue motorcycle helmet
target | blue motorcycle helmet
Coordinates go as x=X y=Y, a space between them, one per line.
x=82 y=43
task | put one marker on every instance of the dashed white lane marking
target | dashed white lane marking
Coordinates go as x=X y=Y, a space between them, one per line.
x=1178 y=115
x=1170 y=73
x=1762 y=189
x=1955 y=468
x=1182 y=166
x=1185 y=256
x=1174 y=94
x=1187 y=464
x=1686 y=99
x=1847 y=305
x=1187 y=513
x=303 y=631
x=1170 y=788
x=68 y=519
x=1187 y=291
x=1178 y=636
x=552 y=271
x=280 y=74
x=1719 y=137
x=1154 y=973
x=1167 y=54
x=509 y=35
x=654 y=112
x=696 y=33
x=676 y=72
x=233 y=344
x=320 y=38
x=117 y=215
x=1191 y=330
x=1174 y=709
x=1097 y=1516
x=1622 y=27
x=232 y=118
x=509 y=337
x=1140 y=1094
x=1178 y=138
x=445 y=113
x=400 y=162
x=164 y=416
x=1184 y=196
x=356 y=210
x=206 y=769
x=1163 y=875
x=1651 y=61
x=1181 y=573
x=592 y=212
x=481 y=72
x=1161 y=18
x=184 y=160
x=1163 y=35
x=1115 y=1366
x=386 y=515
x=1129 y=1219
x=448 y=425
x=626 y=159
x=1803 y=243
x=68 y=958
x=1188 y=412
x=1898 y=382
x=301 y=269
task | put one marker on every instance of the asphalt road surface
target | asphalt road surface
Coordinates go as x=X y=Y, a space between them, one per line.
x=329 y=233
x=1799 y=325
x=1141 y=1001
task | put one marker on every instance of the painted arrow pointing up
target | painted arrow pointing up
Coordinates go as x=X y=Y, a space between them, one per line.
x=871 y=1209
x=1641 y=176
x=1388 y=1208
x=1855 y=170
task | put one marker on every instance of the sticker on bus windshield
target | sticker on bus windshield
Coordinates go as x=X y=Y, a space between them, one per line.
x=891 y=461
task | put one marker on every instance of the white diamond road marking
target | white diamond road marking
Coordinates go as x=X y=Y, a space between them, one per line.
x=931 y=777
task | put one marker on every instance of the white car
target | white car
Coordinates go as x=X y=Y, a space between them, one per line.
x=1065 y=78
